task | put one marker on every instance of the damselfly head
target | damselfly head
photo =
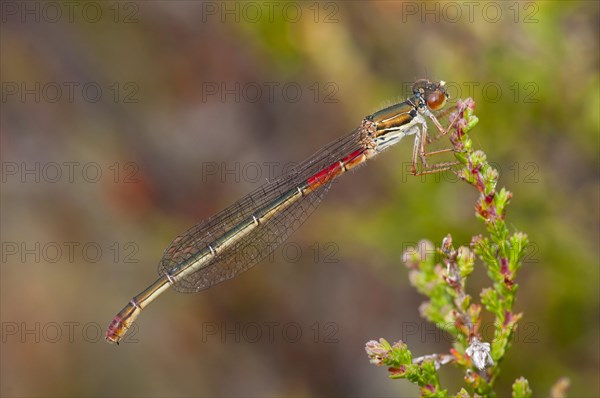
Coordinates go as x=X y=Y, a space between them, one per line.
x=432 y=94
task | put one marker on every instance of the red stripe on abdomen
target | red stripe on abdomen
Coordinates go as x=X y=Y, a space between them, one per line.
x=334 y=170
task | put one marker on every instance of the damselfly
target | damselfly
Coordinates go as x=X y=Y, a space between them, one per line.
x=246 y=232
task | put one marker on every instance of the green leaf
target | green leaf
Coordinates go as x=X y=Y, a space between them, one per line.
x=518 y=243
x=491 y=301
x=466 y=261
x=472 y=120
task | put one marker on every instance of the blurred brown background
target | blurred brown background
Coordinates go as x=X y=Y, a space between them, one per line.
x=124 y=123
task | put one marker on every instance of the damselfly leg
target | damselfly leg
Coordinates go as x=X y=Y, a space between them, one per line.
x=422 y=139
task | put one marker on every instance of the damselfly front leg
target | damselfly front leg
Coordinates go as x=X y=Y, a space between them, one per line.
x=435 y=120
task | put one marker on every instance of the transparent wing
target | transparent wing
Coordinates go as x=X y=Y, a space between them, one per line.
x=263 y=239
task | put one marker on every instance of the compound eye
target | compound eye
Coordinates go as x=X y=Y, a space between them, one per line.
x=436 y=100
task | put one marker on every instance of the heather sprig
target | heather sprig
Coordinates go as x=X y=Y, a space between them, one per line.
x=443 y=279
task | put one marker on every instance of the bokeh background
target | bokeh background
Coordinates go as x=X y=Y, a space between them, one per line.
x=125 y=123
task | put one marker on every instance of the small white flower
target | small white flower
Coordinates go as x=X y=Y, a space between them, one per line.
x=480 y=353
